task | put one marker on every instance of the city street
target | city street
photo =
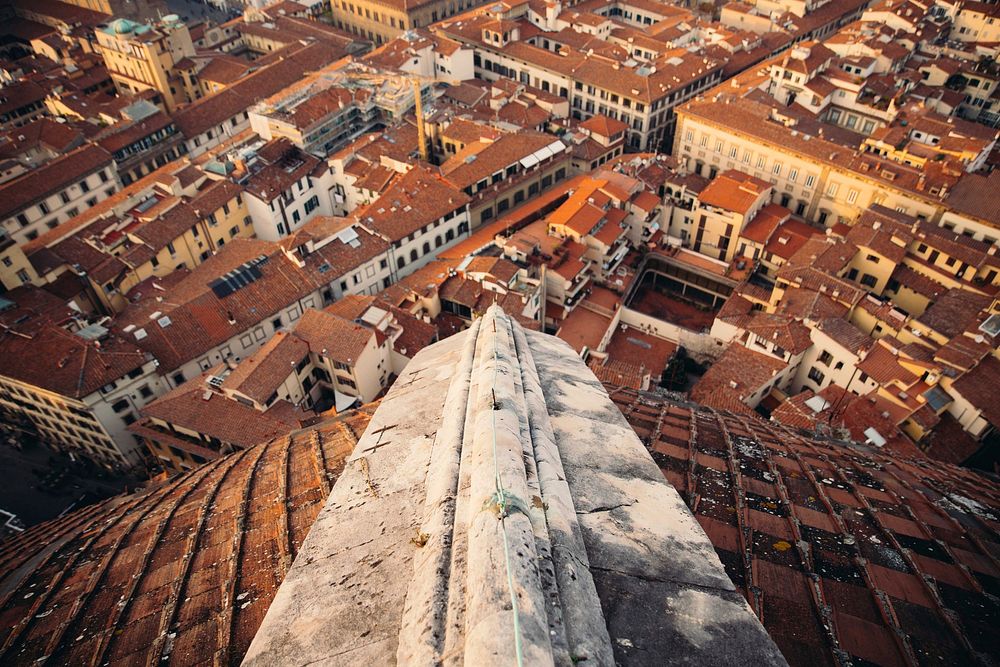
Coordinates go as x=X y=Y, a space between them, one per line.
x=192 y=11
x=40 y=484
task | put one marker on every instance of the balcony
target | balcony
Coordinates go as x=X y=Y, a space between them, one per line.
x=580 y=295
x=615 y=256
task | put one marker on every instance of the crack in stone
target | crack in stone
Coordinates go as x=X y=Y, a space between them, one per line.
x=605 y=508
x=662 y=580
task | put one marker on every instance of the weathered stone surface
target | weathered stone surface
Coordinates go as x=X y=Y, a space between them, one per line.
x=408 y=561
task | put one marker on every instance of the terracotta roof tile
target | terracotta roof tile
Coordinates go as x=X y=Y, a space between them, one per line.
x=733 y=191
x=415 y=200
x=202 y=555
x=739 y=366
x=50 y=178
x=200 y=319
x=783 y=331
x=620 y=373
x=195 y=407
x=979 y=387
x=603 y=126
x=882 y=364
x=333 y=337
x=952 y=312
x=834 y=544
x=258 y=376
x=62 y=362
x=763 y=225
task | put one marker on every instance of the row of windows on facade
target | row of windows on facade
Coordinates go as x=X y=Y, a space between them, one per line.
x=209 y=134
x=101 y=446
x=598 y=93
x=39 y=400
x=137 y=171
x=83 y=186
x=172 y=249
x=504 y=204
x=38 y=412
x=388 y=20
x=286 y=227
x=65 y=426
x=288 y=196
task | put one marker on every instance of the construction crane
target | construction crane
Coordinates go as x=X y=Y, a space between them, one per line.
x=417 y=81
x=418 y=107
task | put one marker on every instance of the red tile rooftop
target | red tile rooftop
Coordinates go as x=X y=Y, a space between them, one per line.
x=584 y=329
x=844 y=410
x=789 y=237
x=201 y=556
x=630 y=345
x=739 y=369
x=844 y=553
x=620 y=373
x=603 y=126
x=734 y=191
x=763 y=225
x=605 y=298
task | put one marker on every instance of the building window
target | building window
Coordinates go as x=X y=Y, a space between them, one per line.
x=816 y=375
x=825 y=358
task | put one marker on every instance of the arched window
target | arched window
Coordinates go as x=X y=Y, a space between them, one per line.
x=400 y=263
x=413 y=255
x=449 y=235
x=438 y=241
x=427 y=247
